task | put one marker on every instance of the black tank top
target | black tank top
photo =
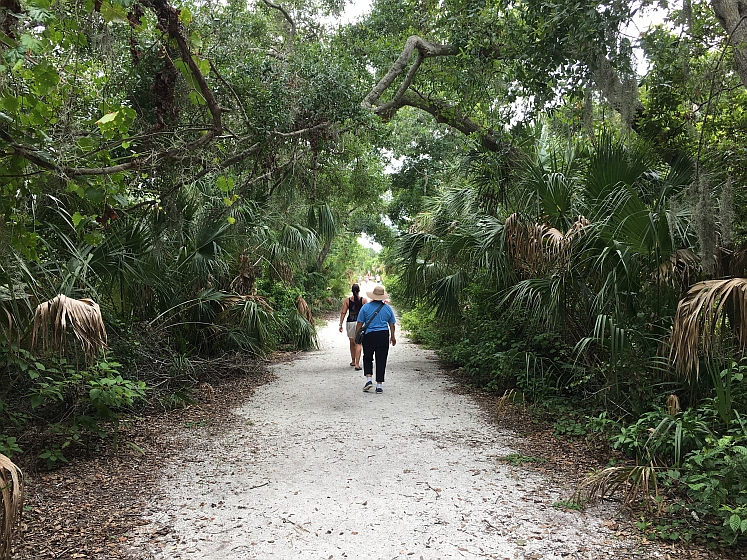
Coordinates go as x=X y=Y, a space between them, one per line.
x=354 y=306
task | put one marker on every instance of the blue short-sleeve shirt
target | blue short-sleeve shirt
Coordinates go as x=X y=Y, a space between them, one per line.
x=382 y=321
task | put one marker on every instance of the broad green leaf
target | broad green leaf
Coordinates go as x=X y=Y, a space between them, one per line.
x=113 y=12
x=95 y=194
x=185 y=16
x=224 y=183
x=30 y=43
x=109 y=117
x=11 y=103
x=77 y=218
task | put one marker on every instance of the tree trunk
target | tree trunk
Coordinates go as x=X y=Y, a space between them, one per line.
x=732 y=15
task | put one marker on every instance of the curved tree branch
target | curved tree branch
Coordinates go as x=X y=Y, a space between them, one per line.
x=285 y=14
x=168 y=20
x=445 y=113
x=425 y=50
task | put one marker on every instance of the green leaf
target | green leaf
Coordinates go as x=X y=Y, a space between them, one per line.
x=224 y=184
x=95 y=194
x=30 y=43
x=113 y=12
x=185 y=16
x=109 y=117
x=85 y=143
x=77 y=218
x=11 y=103
x=75 y=188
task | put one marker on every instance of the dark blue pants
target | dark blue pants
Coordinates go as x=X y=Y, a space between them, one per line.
x=375 y=344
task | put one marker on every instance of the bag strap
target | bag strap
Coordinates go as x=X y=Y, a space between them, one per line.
x=365 y=326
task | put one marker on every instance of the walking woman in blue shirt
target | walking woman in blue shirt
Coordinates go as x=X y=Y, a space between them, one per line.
x=379 y=333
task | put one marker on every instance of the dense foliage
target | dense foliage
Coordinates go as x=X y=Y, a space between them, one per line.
x=564 y=225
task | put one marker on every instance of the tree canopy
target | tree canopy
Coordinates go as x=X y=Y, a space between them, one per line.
x=557 y=193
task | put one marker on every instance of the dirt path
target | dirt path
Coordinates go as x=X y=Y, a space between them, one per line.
x=321 y=469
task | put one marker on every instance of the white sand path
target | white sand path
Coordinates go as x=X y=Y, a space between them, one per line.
x=322 y=470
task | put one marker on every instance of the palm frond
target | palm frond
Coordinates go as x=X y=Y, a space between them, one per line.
x=301 y=333
x=11 y=503
x=445 y=294
x=52 y=318
x=304 y=309
x=321 y=220
x=634 y=482
x=709 y=312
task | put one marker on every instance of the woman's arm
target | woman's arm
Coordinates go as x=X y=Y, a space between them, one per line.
x=343 y=312
x=392 y=339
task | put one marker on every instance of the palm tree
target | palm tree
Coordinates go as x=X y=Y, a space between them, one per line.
x=11 y=503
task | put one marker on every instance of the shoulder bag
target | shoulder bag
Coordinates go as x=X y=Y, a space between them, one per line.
x=361 y=333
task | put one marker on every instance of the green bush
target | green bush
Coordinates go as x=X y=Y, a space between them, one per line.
x=714 y=479
x=659 y=438
x=68 y=402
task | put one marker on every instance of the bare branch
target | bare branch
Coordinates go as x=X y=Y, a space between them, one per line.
x=255 y=148
x=425 y=50
x=450 y=115
x=285 y=14
x=168 y=20
x=233 y=92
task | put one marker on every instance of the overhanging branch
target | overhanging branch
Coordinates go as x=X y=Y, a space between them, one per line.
x=425 y=50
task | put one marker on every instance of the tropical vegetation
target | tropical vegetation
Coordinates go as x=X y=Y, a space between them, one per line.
x=559 y=200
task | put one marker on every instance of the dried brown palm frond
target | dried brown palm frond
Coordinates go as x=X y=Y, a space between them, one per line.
x=7 y=327
x=10 y=297
x=304 y=309
x=578 y=227
x=235 y=299
x=525 y=247
x=673 y=405
x=554 y=240
x=11 y=503
x=508 y=396
x=679 y=270
x=738 y=262
x=52 y=318
x=246 y=276
x=709 y=312
x=534 y=248
x=635 y=483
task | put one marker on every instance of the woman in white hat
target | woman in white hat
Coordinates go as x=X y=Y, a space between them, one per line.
x=379 y=320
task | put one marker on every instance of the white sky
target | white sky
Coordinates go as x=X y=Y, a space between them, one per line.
x=366 y=241
x=353 y=10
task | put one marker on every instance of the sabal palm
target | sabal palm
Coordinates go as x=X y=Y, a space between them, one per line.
x=606 y=261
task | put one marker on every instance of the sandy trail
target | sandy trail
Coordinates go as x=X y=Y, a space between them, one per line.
x=321 y=469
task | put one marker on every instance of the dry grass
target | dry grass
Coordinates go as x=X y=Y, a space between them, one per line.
x=11 y=496
x=709 y=312
x=635 y=484
x=52 y=318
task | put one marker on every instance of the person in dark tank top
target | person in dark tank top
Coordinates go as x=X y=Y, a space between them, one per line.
x=351 y=307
